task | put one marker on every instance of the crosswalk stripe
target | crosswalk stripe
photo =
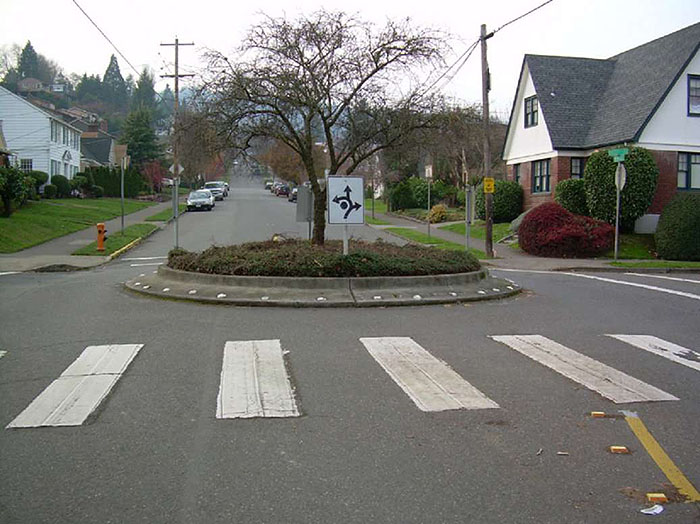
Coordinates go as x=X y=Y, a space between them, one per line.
x=609 y=382
x=69 y=400
x=663 y=348
x=429 y=382
x=254 y=381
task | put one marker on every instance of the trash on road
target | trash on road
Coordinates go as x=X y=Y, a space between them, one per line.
x=563 y=453
x=654 y=510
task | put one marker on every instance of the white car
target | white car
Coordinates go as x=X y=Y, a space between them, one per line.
x=200 y=199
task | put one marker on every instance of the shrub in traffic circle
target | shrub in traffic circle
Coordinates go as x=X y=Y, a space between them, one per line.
x=636 y=196
x=507 y=201
x=549 y=230
x=571 y=195
x=678 y=232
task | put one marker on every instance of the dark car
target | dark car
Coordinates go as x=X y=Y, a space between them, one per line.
x=292 y=197
x=283 y=190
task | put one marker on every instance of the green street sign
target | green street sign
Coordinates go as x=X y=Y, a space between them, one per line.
x=618 y=154
x=620 y=158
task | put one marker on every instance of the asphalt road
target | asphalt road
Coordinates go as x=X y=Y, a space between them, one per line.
x=361 y=451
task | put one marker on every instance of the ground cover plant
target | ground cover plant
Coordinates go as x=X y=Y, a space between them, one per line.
x=298 y=258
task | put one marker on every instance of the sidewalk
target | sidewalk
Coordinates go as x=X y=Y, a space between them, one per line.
x=57 y=252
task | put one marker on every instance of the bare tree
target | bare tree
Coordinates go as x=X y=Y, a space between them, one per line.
x=198 y=143
x=330 y=79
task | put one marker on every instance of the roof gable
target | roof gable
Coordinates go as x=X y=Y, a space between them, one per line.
x=590 y=103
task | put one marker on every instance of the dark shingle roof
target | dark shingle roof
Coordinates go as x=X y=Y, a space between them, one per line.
x=601 y=102
x=96 y=149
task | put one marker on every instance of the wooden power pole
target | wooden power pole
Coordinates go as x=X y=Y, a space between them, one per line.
x=485 y=87
x=176 y=161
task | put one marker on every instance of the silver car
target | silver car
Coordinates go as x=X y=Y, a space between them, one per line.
x=218 y=189
x=200 y=199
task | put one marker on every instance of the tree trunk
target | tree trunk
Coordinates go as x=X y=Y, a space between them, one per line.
x=319 y=217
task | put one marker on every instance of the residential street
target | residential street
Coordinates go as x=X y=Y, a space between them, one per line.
x=363 y=448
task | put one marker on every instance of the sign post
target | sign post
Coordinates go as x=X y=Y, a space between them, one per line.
x=345 y=203
x=429 y=178
x=620 y=180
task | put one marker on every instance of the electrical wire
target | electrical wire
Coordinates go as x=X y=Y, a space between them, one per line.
x=523 y=15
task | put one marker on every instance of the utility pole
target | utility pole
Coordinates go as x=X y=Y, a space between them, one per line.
x=485 y=87
x=176 y=161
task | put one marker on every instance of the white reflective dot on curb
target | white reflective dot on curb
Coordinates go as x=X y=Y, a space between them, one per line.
x=481 y=292
x=142 y=275
x=510 y=287
x=166 y=289
x=321 y=299
x=137 y=283
x=377 y=297
x=192 y=291
x=453 y=293
x=155 y=272
x=146 y=287
x=417 y=297
x=496 y=289
x=221 y=295
x=264 y=298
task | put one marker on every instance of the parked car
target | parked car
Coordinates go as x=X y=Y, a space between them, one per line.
x=275 y=187
x=283 y=190
x=268 y=185
x=292 y=197
x=200 y=199
x=217 y=189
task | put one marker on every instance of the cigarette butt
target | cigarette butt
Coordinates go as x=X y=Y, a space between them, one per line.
x=619 y=449
x=598 y=414
x=657 y=497
x=563 y=453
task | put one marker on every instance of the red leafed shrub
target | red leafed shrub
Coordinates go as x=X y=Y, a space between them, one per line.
x=550 y=230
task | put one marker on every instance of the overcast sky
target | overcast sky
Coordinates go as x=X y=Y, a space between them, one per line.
x=590 y=28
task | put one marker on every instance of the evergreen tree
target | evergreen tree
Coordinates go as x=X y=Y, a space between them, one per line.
x=89 y=88
x=114 y=86
x=28 y=66
x=139 y=136
x=145 y=93
x=164 y=109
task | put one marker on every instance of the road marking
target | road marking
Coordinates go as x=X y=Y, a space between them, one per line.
x=429 y=382
x=9 y=273
x=254 y=382
x=3 y=353
x=144 y=258
x=148 y=264
x=69 y=400
x=609 y=382
x=657 y=453
x=612 y=281
x=663 y=348
x=647 y=275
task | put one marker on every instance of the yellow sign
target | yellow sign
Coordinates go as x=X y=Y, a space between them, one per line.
x=489 y=185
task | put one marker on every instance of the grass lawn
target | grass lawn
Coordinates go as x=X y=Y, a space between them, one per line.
x=117 y=241
x=376 y=221
x=660 y=264
x=40 y=221
x=422 y=238
x=166 y=214
x=633 y=246
x=478 y=230
x=453 y=214
x=379 y=206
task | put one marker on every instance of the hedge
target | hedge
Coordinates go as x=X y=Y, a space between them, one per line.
x=110 y=180
x=571 y=195
x=635 y=198
x=678 y=232
x=507 y=201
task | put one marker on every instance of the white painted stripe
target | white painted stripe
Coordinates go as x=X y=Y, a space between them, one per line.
x=69 y=400
x=9 y=273
x=649 y=275
x=663 y=348
x=149 y=264
x=609 y=382
x=429 y=382
x=612 y=281
x=3 y=353
x=144 y=258
x=254 y=382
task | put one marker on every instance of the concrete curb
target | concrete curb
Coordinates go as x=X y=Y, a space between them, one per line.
x=322 y=292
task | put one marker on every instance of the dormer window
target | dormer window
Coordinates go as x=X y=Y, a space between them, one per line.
x=531 y=111
x=693 y=95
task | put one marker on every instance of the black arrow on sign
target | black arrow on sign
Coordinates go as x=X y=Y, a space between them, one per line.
x=346 y=203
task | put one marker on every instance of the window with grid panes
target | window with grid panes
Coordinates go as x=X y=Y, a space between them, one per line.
x=577 y=165
x=540 y=176
x=531 y=110
x=688 y=171
x=694 y=95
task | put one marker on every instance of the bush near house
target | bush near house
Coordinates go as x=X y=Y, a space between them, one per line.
x=635 y=198
x=571 y=195
x=678 y=232
x=507 y=201
x=438 y=213
x=401 y=196
x=549 y=230
x=110 y=180
x=50 y=191
x=40 y=178
x=15 y=187
x=62 y=185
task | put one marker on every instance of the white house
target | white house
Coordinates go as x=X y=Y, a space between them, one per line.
x=566 y=108
x=39 y=138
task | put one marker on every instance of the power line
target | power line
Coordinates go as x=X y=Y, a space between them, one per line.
x=522 y=16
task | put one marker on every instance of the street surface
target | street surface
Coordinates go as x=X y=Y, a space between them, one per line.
x=462 y=413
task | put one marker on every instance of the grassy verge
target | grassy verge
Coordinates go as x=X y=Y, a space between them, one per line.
x=117 y=241
x=379 y=206
x=166 y=214
x=658 y=264
x=453 y=214
x=478 y=230
x=44 y=220
x=633 y=246
x=422 y=238
x=376 y=221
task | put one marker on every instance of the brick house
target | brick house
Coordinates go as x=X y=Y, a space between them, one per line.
x=566 y=108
